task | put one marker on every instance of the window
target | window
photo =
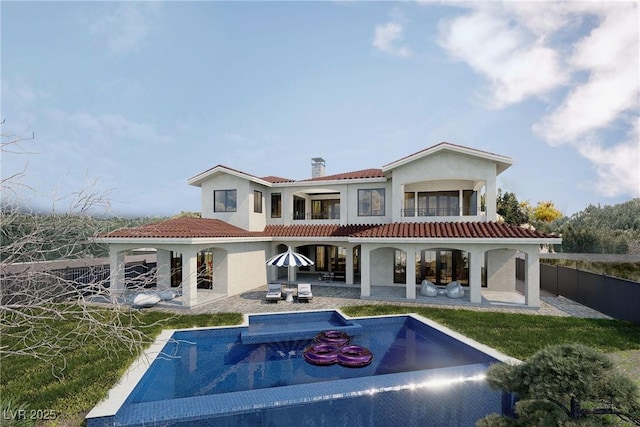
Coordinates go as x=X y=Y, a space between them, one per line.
x=257 y=201
x=325 y=209
x=371 y=202
x=438 y=203
x=276 y=205
x=409 y=204
x=224 y=200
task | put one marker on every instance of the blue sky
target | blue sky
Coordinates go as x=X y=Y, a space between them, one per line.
x=134 y=98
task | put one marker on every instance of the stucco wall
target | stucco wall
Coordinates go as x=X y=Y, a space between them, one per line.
x=465 y=172
x=246 y=268
x=501 y=270
x=382 y=261
x=244 y=203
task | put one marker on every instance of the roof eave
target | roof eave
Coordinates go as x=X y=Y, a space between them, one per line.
x=320 y=183
x=502 y=162
x=200 y=178
x=178 y=240
x=457 y=240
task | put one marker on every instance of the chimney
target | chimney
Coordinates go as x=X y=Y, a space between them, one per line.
x=317 y=167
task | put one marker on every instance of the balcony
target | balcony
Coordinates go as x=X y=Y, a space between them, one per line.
x=427 y=212
x=324 y=215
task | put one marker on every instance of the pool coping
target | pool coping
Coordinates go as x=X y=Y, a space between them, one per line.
x=118 y=394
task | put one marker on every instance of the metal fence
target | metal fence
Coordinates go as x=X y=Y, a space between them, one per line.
x=618 y=298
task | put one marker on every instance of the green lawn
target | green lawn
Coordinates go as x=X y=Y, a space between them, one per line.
x=90 y=373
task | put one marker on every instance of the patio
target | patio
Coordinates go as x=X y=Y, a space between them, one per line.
x=331 y=295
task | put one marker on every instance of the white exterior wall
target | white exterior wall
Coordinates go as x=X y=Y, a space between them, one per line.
x=352 y=216
x=244 y=203
x=501 y=270
x=444 y=170
x=246 y=266
x=257 y=221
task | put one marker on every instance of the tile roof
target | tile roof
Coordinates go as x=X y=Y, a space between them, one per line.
x=276 y=179
x=454 y=230
x=324 y=230
x=364 y=173
x=186 y=227
x=183 y=227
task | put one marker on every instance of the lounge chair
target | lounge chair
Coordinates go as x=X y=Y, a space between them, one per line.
x=274 y=292
x=304 y=292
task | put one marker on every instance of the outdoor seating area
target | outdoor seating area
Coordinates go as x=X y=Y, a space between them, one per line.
x=452 y=290
x=274 y=292
x=277 y=291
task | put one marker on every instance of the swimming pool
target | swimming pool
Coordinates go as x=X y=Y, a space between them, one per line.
x=421 y=374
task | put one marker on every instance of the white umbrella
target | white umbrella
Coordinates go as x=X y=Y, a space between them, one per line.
x=291 y=260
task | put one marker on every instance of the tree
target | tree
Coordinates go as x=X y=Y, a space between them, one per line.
x=546 y=212
x=510 y=209
x=33 y=300
x=567 y=385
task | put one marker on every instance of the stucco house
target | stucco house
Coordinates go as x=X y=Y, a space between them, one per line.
x=419 y=217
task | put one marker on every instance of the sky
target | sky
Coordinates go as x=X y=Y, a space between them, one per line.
x=131 y=99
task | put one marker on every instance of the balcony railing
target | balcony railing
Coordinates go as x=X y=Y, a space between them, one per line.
x=438 y=212
x=303 y=216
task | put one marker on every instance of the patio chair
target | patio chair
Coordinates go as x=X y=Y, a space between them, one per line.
x=304 y=292
x=455 y=290
x=274 y=292
x=428 y=289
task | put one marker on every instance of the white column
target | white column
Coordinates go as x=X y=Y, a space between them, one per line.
x=348 y=278
x=460 y=202
x=532 y=279
x=116 y=272
x=189 y=278
x=475 y=276
x=365 y=272
x=490 y=197
x=410 y=273
x=163 y=268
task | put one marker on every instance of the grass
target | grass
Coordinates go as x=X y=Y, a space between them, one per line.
x=521 y=335
x=72 y=388
x=90 y=374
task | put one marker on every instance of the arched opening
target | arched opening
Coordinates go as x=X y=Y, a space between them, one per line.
x=442 y=266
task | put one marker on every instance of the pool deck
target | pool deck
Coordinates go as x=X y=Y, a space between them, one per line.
x=334 y=295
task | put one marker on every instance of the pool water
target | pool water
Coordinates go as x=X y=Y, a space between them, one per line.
x=421 y=375
x=216 y=361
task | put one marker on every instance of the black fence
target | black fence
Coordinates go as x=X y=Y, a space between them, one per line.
x=618 y=298
x=28 y=281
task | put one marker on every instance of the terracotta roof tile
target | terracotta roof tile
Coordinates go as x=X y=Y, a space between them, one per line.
x=324 y=230
x=186 y=227
x=183 y=227
x=276 y=179
x=450 y=230
x=361 y=174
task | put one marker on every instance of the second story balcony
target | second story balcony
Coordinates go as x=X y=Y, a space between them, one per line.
x=423 y=212
x=455 y=203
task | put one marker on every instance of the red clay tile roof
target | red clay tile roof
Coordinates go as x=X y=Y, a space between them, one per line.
x=364 y=173
x=473 y=230
x=183 y=227
x=324 y=230
x=276 y=179
x=186 y=227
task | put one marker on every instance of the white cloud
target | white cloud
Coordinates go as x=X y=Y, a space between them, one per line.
x=388 y=39
x=584 y=52
x=125 y=26
x=617 y=166
x=516 y=63
x=609 y=54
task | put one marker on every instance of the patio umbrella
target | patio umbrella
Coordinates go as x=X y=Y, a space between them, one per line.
x=291 y=260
